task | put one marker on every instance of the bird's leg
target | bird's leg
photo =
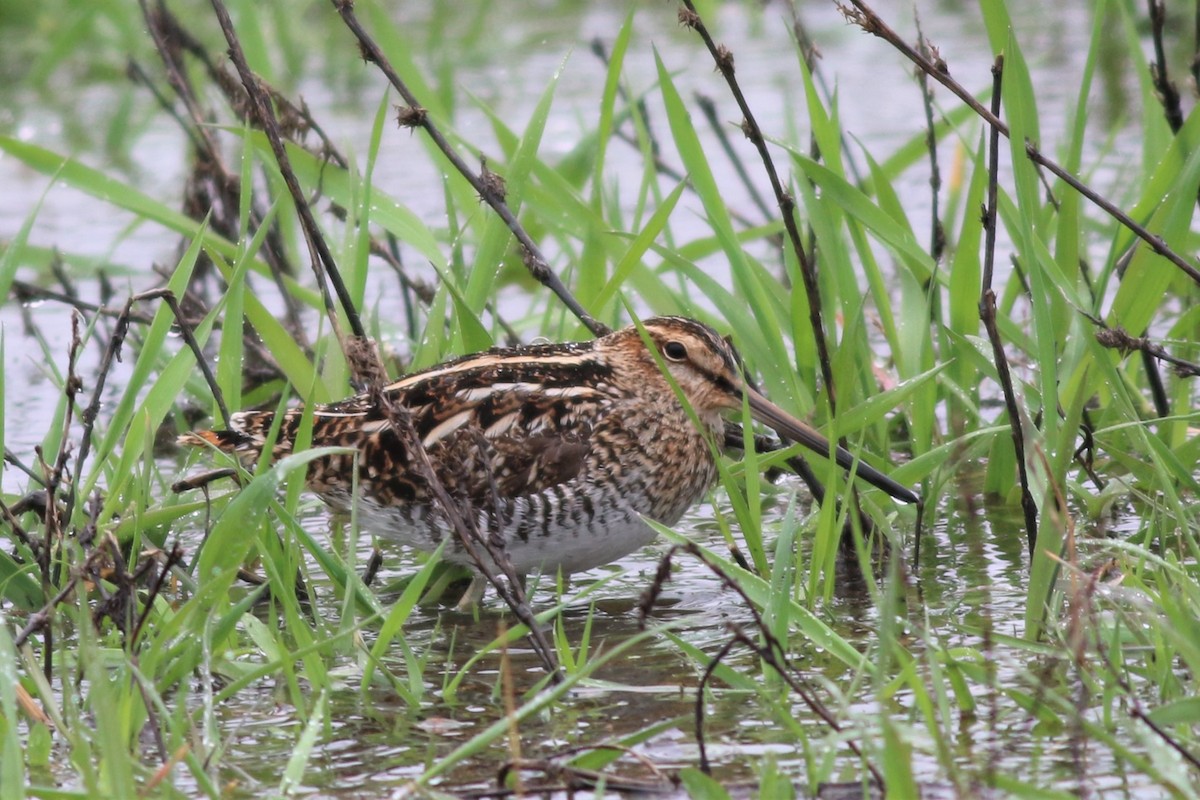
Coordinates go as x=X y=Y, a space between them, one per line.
x=473 y=594
x=478 y=587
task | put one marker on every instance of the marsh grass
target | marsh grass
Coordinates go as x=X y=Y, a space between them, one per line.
x=136 y=608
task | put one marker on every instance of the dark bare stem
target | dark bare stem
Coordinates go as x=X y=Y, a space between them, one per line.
x=787 y=204
x=28 y=292
x=15 y=525
x=937 y=234
x=1168 y=95
x=713 y=663
x=987 y=313
x=189 y=338
x=1154 y=382
x=1196 y=44
x=1085 y=454
x=173 y=559
x=1119 y=339
x=869 y=21
x=53 y=516
x=41 y=619
x=374 y=563
x=771 y=651
x=489 y=191
x=809 y=52
x=171 y=40
x=137 y=74
x=112 y=353
x=1138 y=712
x=11 y=458
x=324 y=266
x=483 y=553
x=709 y=109
x=989 y=211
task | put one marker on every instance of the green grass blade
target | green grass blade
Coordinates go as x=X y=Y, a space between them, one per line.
x=496 y=235
x=293 y=776
x=12 y=753
x=228 y=544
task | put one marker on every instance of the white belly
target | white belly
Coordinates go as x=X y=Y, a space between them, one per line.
x=567 y=543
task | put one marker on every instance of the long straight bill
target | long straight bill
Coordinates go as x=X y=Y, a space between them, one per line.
x=794 y=430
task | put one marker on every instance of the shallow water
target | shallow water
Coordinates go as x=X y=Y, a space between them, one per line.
x=377 y=742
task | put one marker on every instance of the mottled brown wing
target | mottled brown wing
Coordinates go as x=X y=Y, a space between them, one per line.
x=508 y=441
x=483 y=442
x=504 y=423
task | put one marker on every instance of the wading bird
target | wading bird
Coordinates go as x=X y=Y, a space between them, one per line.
x=560 y=452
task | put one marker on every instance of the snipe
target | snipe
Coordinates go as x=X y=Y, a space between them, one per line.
x=561 y=451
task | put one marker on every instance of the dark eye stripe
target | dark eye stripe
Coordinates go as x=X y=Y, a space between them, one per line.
x=724 y=384
x=721 y=346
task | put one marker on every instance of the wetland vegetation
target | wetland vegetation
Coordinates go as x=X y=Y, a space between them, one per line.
x=965 y=248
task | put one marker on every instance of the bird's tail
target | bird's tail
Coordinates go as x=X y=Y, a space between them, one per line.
x=227 y=441
x=245 y=438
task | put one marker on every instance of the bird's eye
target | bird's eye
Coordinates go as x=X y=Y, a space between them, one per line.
x=675 y=351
